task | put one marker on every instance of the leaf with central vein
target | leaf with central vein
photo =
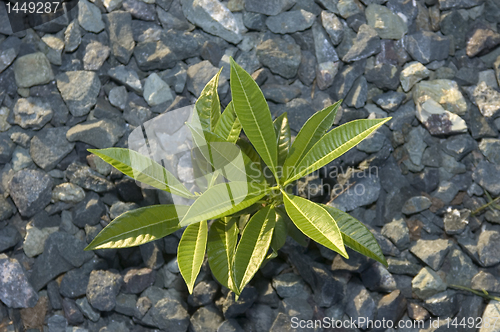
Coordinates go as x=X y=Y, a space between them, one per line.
x=191 y=252
x=334 y=144
x=314 y=128
x=208 y=104
x=221 y=246
x=356 y=235
x=224 y=199
x=139 y=226
x=229 y=126
x=253 y=112
x=143 y=169
x=315 y=222
x=283 y=137
x=253 y=246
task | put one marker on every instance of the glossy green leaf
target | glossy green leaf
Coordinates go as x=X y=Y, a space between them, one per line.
x=224 y=199
x=283 y=137
x=139 y=226
x=280 y=232
x=315 y=222
x=229 y=126
x=334 y=144
x=314 y=128
x=191 y=252
x=253 y=112
x=208 y=104
x=248 y=149
x=221 y=247
x=356 y=235
x=253 y=246
x=143 y=169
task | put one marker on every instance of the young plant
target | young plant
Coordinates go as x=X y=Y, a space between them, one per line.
x=245 y=188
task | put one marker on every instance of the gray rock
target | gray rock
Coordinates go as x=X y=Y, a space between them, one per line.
x=280 y=56
x=140 y=10
x=373 y=143
x=427 y=283
x=206 y=318
x=443 y=304
x=20 y=159
x=199 y=75
x=387 y=23
x=389 y=101
x=289 y=285
x=416 y=204
x=126 y=304
x=203 y=293
x=127 y=77
x=57 y=323
x=365 y=191
x=156 y=91
x=119 y=208
x=31 y=191
x=455 y=221
x=6 y=148
x=325 y=74
x=431 y=252
x=72 y=36
x=84 y=306
x=280 y=93
x=136 y=111
x=87 y=178
x=487 y=99
x=383 y=75
x=485 y=281
x=165 y=51
x=9 y=236
x=71 y=312
x=492 y=307
x=291 y=21
x=439 y=121
x=99 y=133
x=426 y=46
x=413 y=73
x=95 y=55
x=254 y=21
x=68 y=192
x=325 y=52
x=459 y=146
x=397 y=231
x=376 y=278
x=348 y=8
x=119 y=27
x=79 y=89
x=214 y=18
x=232 y=308
x=457 y=4
x=479 y=126
x=268 y=8
x=32 y=112
x=175 y=77
x=488 y=244
x=49 y=146
x=89 y=211
x=443 y=91
x=357 y=96
x=458 y=268
x=9 y=49
x=391 y=307
x=399 y=266
x=170 y=314
x=137 y=280
x=89 y=17
x=15 y=290
x=32 y=69
x=483 y=175
x=74 y=283
x=102 y=289
x=344 y=80
x=333 y=27
x=360 y=303
x=490 y=148
x=481 y=39
x=118 y=97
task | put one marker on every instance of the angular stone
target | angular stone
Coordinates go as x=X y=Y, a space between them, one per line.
x=203 y=293
x=387 y=24
x=483 y=175
x=156 y=91
x=481 y=40
x=199 y=75
x=416 y=204
x=127 y=77
x=289 y=285
x=439 y=121
x=141 y=10
x=383 y=75
x=490 y=147
x=95 y=55
x=348 y=8
x=389 y=101
x=397 y=231
x=488 y=245
x=357 y=96
x=118 y=97
x=89 y=211
x=333 y=27
x=99 y=133
x=413 y=73
x=280 y=93
x=32 y=112
x=365 y=191
x=367 y=43
x=49 y=146
x=206 y=318
x=458 y=268
x=487 y=99
x=232 y=308
x=291 y=21
x=455 y=221
x=427 y=283
x=426 y=46
x=443 y=304
x=84 y=306
x=35 y=239
x=325 y=74
x=102 y=289
x=377 y=278
x=137 y=280
x=21 y=159
x=324 y=50
x=15 y=290
x=87 y=178
x=9 y=236
x=169 y=314
x=32 y=69
x=72 y=36
x=360 y=304
x=31 y=191
x=214 y=18
x=89 y=17
x=443 y=91
x=431 y=252
x=79 y=89
x=268 y=8
x=344 y=80
x=280 y=56
x=9 y=49
x=457 y=4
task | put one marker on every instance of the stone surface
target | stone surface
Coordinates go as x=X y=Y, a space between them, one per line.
x=102 y=289
x=487 y=99
x=365 y=191
x=32 y=112
x=290 y=22
x=119 y=27
x=79 y=89
x=427 y=283
x=280 y=56
x=49 y=146
x=483 y=173
x=89 y=17
x=431 y=252
x=413 y=73
x=324 y=50
x=387 y=24
x=487 y=245
x=32 y=69
x=87 y=178
x=127 y=77
x=156 y=91
x=426 y=46
x=443 y=91
x=439 y=121
x=268 y=8
x=481 y=40
x=366 y=44
x=15 y=290
x=88 y=211
x=99 y=133
x=31 y=191
x=333 y=26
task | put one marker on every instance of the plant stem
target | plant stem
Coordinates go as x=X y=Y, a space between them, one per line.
x=479 y=209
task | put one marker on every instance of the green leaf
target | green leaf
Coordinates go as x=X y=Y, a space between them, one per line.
x=356 y=235
x=280 y=232
x=283 y=137
x=252 y=110
x=208 y=104
x=293 y=231
x=315 y=222
x=143 y=169
x=224 y=199
x=229 y=126
x=191 y=252
x=314 y=128
x=139 y=226
x=222 y=239
x=253 y=246
x=334 y=144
